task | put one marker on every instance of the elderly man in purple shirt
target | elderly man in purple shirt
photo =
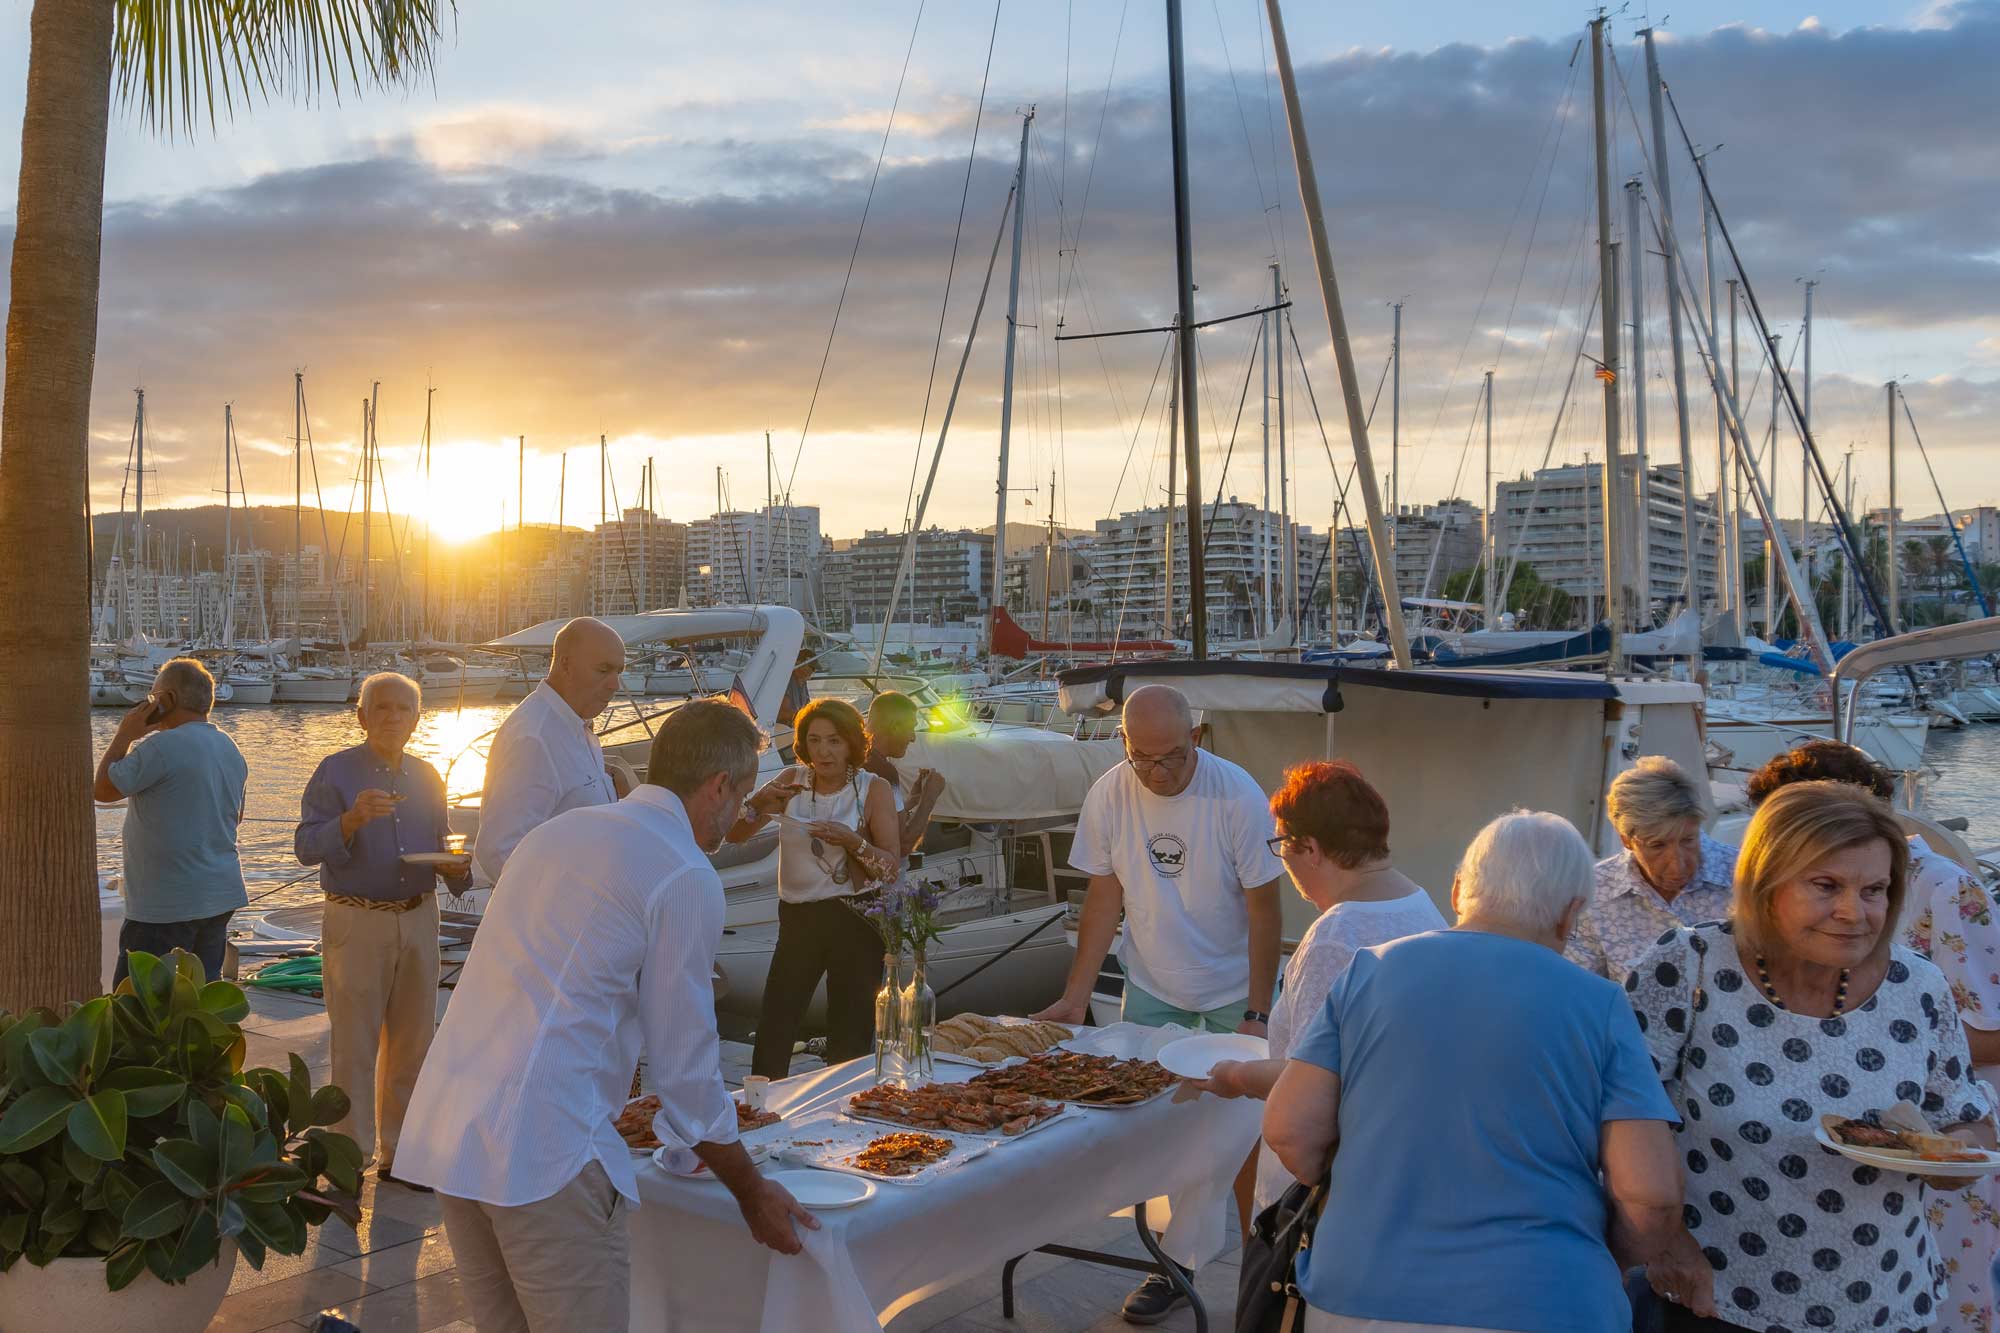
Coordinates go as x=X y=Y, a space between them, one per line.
x=365 y=812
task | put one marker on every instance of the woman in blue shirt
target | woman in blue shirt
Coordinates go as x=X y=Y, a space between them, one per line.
x=1476 y=1084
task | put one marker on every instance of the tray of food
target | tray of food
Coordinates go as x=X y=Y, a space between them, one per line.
x=1900 y=1139
x=903 y=1157
x=975 y=1039
x=958 y=1107
x=635 y=1123
x=1082 y=1080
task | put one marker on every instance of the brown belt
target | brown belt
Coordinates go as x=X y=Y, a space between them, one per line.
x=379 y=904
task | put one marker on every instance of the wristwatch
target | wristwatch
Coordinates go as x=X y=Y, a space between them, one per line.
x=1255 y=1016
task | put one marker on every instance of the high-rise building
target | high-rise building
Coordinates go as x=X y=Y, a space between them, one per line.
x=1242 y=569
x=1554 y=522
x=950 y=578
x=767 y=555
x=637 y=563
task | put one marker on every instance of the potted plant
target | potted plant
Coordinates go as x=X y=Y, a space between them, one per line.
x=138 y=1157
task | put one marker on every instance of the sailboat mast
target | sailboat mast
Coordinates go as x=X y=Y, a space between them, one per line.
x=1613 y=482
x=1895 y=559
x=427 y=626
x=1173 y=473
x=1805 y=455
x=1664 y=186
x=1287 y=551
x=1642 y=530
x=1728 y=561
x=1774 y=535
x=1265 y=590
x=228 y=533
x=1184 y=269
x=298 y=499
x=1489 y=550
x=998 y=595
x=367 y=505
x=1336 y=320
x=1390 y=586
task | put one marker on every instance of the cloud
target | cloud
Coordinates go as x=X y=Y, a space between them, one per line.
x=668 y=277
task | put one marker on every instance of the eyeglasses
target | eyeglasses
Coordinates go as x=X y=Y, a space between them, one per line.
x=1172 y=759
x=1285 y=842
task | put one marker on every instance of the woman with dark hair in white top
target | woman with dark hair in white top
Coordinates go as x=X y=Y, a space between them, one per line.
x=838 y=836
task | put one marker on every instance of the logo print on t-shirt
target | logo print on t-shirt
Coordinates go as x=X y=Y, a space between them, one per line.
x=1168 y=852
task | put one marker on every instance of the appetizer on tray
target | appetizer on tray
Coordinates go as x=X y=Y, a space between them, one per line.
x=901 y=1154
x=978 y=1039
x=954 y=1106
x=635 y=1123
x=1086 y=1080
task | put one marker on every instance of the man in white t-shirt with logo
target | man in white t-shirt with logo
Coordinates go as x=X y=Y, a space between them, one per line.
x=1177 y=840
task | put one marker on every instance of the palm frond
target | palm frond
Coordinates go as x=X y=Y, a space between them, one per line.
x=177 y=58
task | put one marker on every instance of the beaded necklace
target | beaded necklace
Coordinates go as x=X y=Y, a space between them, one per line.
x=1764 y=980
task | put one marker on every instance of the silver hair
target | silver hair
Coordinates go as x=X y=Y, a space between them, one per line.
x=193 y=687
x=1525 y=870
x=700 y=739
x=1653 y=798
x=385 y=678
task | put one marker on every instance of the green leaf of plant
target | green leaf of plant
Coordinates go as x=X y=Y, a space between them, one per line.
x=100 y=1232
x=347 y=1207
x=90 y=1033
x=124 y=1264
x=269 y=1184
x=276 y=1095
x=60 y=1056
x=251 y=1248
x=119 y=1189
x=229 y=1218
x=81 y=1165
x=97 y=1125
x=21 y=1185
x=246 y=1100
x=226 y=1001
x=157 y=1210
x=14 y=1045
x=13 y=1233
x=147 y=1091
x=159 y=1258
x=204 y=1126
x=276 y=1225
x=239 y=1136
x=188 y=968
x=35 y=1118
x=200 y=1241
x=329 y=1105
x=186 y=1165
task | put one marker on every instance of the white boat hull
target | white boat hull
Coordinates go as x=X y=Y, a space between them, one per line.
x=252 y=691
x=1897 y=740
x=312 y=690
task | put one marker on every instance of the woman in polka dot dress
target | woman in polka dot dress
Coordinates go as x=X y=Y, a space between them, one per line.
x=1803 y=1004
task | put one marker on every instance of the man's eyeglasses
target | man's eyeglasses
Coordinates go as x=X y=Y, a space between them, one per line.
x=1285 y=842
x=1172 y=759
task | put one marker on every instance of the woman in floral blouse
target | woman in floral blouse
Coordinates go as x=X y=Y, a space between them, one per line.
x=1949 y=919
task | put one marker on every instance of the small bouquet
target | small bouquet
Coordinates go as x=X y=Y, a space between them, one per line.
x=905 y=914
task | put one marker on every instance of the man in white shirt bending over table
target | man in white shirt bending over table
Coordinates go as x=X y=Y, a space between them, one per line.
x=544 y=759
x=600 y=943
x=1177 y=840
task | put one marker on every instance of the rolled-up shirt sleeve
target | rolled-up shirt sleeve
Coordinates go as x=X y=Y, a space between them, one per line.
x=522 y=792
x=677 y=1014
x=318 y=839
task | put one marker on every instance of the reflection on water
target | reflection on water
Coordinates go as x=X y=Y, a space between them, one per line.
x=283 y=743
x=1967 y=780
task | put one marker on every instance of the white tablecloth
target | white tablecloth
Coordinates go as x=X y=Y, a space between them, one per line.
x=695 y=1268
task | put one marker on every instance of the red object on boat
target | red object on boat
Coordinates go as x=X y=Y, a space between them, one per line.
x=1010 y=640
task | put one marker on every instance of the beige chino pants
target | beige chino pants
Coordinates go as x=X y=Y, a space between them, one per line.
x=381 y=971
x=560 y=1265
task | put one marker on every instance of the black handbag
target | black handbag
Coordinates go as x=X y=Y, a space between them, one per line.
x=1267 y=1292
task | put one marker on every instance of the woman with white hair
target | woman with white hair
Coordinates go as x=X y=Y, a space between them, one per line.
x=1670 y=873
x=1486 y=1117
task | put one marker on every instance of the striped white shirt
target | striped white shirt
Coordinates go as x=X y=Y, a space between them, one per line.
x=600 y=940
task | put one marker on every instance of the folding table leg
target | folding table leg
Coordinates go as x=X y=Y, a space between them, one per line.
x=1170 y=1269
x=1007 y=1286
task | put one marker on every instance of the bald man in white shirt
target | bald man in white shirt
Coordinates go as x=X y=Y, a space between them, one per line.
x=600 y=944
x=544 y=759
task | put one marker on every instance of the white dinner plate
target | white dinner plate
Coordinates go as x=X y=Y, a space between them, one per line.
x=1890 y=1162
x=663 y=1158
x=1193 y=1057
x=824 y=1189
x=436 y=858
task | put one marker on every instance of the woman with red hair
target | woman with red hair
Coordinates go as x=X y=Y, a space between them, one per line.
x=1333 y=836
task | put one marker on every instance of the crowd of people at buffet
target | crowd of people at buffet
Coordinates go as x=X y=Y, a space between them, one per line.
x=1589 y=1104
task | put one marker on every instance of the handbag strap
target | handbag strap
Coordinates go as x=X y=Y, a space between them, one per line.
x=1694 y=1001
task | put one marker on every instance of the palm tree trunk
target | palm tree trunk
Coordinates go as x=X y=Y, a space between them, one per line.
x=48 y=877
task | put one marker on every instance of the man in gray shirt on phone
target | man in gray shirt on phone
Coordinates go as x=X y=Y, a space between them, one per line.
x=182 y=781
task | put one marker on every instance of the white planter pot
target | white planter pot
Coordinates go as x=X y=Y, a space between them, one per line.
x=69 y=1295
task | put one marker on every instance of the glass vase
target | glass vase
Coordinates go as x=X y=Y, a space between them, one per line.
x=916 y=1023
x=888 y=1020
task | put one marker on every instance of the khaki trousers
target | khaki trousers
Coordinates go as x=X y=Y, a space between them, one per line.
x=561 y=1265
x=381 y=972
